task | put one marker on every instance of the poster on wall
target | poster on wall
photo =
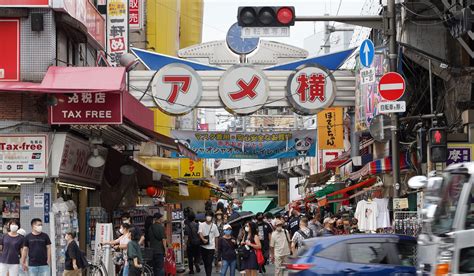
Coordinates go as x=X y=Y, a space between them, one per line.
x=23 y=155
x=117 y=30
x=249 y=145
x=331 y=129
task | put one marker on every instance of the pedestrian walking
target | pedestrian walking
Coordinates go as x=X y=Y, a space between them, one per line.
x=208 y=233
x=280 y=246
x=251 y=243
x=355 y=227
x=158 y=245
x=294 y=221
x=121 y=245
x=226 y=249
x=315 y=224
x=265 y=234
x=72 y=265
x=220 y=226
x=328 y=229
x=340 y=228
x=37 y=248
x=191 y=229
x=134 y=253
x=11 y=243
x=302 y=234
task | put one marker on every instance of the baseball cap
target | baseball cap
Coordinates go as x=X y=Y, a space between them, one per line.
x=227 y=227
x=157 y=215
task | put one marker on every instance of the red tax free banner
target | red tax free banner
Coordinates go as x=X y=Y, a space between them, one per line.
x=87 y=108
x=24 y=3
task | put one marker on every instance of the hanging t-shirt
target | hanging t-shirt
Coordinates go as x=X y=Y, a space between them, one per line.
x=383 y=219
x=366 y=213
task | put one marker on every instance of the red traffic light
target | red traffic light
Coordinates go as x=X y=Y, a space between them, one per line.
x=285 y=15
x=438 y=136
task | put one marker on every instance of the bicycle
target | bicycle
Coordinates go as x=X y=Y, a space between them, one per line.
x=97 y=267
x=147 y=270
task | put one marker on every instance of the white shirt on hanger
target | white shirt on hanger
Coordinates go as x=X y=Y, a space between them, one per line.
x=366 y=214
x=383 y=219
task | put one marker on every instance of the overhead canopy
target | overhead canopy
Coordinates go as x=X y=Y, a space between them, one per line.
x=364 y=183
x=256 y=205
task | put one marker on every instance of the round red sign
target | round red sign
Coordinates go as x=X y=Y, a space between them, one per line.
x=391 y=86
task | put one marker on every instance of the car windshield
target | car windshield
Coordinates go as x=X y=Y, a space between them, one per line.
x=442 y=201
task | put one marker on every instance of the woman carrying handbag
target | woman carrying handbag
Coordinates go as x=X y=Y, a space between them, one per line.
x=251 y=242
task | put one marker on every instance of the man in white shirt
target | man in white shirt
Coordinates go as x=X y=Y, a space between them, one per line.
x=279 y=246
x=208 y=232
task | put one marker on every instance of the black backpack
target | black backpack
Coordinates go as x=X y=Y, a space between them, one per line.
x=194 y=238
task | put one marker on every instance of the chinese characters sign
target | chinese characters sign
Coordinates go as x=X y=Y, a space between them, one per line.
x=239 y=145
x=311 y=89
x=191 y=169
x=177 y=89
x=330 y=129
x=249 y=32
x=459 y=153
x=23 y=155
x=87 y=108
x=243 y=89
x=135 y=12
x=117 y=30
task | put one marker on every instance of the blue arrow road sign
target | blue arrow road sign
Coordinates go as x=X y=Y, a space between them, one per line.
x=366 y=53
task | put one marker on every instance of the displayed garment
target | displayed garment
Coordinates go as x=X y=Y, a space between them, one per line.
x=366 y=213
x=383 y=218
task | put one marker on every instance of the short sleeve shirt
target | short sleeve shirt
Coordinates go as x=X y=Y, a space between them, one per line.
x=281 y=243
x=134 y=251
x=72 y=252
x=264 y=230
x=157 y=235
x=211 y=231
x=37 y=249
x=11 y=249
x=298 y=238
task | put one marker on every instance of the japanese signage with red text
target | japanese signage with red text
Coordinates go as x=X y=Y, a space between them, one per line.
x=87 y=108
x=23 y=155
x=117 y=30
x=135 y=14
x=330 y=129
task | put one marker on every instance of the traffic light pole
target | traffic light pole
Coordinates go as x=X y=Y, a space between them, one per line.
x=392 y=47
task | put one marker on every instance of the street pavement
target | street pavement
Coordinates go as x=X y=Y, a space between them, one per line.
x=270 y=271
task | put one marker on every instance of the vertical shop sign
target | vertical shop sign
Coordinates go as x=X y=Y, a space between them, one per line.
x=46 y=204
x=330 y=129
x=282 y=192
x=460 y=153
x=117 y=30
x=135 y=20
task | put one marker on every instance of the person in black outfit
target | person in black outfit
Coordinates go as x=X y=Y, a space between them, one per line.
x=191 y=229
x=265 y=233
x=294 y=222
x=226 y=249
x=72 y=265
x=251 y=242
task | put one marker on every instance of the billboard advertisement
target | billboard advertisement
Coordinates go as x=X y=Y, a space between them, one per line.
x=249 y=145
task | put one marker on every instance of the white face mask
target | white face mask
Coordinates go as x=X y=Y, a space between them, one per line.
x=38 y=228
x=247 y=228
x=121 y=230
x=126 y=221
x=209 y=219
x=13 y=228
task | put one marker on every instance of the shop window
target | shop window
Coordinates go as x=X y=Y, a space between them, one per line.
x=368 y=253
x=466 y=262
x=470 y=210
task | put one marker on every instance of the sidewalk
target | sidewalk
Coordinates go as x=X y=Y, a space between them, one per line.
x=270 y=271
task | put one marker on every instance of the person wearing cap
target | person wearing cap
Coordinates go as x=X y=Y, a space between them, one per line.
x=158 y=244
x=279 y=246
x=226 y=249
x=328 y=229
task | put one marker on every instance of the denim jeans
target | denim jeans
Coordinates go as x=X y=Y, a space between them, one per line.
x=228 y=265
x=125 y=269
x=38 y=270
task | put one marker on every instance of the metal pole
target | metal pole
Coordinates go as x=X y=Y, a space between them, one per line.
x=355 y=142
x=431 y=87
x=392 y=33
x=327 y=34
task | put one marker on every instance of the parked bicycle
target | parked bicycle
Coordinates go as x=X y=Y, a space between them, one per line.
x=97 y=267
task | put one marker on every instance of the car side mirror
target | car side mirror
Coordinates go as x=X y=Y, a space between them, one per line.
x=418 y=182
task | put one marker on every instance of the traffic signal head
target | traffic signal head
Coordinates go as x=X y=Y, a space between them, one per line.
x=269 y=16
x=438 y=145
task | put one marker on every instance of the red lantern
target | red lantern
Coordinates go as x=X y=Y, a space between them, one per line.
x=151 y=191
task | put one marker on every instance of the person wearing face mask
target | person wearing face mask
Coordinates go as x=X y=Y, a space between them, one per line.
x=265 y=233
x=11 y=244
x=37 y=248
x=226 y=249
x=220 y=227
x=208 y=233
x=122 y=244
x=72 y=267
x=340 y=228
x=251 y=241
x=279 y=246
x=158 y=244
x=303 y=234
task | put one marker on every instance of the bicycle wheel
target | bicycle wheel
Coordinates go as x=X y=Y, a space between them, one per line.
x=93 y=270
x=147 y=270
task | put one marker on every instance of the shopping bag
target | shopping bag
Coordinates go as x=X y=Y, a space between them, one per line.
x=260 y=258
x=170 y=262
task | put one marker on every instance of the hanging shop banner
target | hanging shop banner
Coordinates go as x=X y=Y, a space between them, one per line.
x=460 y=153
x=190 y=169
x=87 y=108
x=135 y=11
x=330 y=129
x=23 y=155
x=177 y=89
x=74 y=167
x=24 y=3
x=311 y=89
x=117 y=30
x=243 y=89
x=367 y=95
x=327 y=155
x=249 y=145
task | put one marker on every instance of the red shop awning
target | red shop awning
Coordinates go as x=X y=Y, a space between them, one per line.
x=364 y=183
x=73 y=80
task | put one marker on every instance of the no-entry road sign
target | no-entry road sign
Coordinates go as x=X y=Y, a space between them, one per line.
x=391 y=86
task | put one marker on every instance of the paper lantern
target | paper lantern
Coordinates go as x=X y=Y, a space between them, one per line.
x=151 y=191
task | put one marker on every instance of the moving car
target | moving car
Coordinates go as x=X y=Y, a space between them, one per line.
x=365 y=254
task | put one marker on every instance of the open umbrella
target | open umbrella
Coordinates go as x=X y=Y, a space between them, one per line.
x=240 y=217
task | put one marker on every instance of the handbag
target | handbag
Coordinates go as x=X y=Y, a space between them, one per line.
x=243 y=252
x=260 y=258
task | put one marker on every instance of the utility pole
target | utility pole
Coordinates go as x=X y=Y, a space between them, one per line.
x=392 y=55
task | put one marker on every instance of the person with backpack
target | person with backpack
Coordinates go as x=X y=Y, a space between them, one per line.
x=191 y=229
x=302 y=234
x=279 y=246
x=73 y=263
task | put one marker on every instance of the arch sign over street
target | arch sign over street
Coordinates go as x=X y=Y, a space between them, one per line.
x=243 y=89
